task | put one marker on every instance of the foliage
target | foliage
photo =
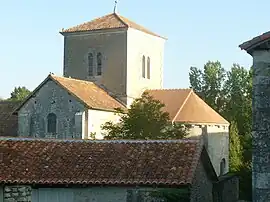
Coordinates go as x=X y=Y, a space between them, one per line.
x=235 y=149
x=145 y=119
x=172 y=195
x=230 y=94
x=19 y=93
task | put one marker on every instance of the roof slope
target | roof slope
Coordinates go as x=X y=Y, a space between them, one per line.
x=185 y=106
x=110 y=21
x=8 y=121
x=98 y=162
x=87 y=92
x=255 y=41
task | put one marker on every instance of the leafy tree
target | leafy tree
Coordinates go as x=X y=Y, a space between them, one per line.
x=208 y=83
x=19 y=93
x=144 y=120
x=235 y=149
x=230 y=94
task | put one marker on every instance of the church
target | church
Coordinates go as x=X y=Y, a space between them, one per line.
x=109 y=62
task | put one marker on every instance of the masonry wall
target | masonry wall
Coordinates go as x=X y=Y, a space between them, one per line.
x=32 y=117
x=216 y=140
x=96 y=119
x=112 y=44
x=201 y=190
x=261 y=125
x=17 y=193
x=226 y=189
x=139 y=44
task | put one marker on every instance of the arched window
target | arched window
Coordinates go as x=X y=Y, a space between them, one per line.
x=222 y=167
x=143 y=66
x=99 y=64
x=90 y=64
x=148 y=67
x=51 y=123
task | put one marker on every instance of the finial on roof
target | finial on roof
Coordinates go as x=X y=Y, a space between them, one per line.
x=115 y=5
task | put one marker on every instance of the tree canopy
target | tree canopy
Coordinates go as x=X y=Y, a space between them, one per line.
x=19 y=93
x=230 y=93
x=144 y=120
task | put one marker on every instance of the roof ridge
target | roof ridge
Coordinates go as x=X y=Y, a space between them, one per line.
x=181 y=107
x=119 y=17
x=2 y=138
x=63 y=77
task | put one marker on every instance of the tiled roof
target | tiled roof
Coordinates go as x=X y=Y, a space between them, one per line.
x=87 y=92
x=168 y=162
x=256 y=40
x=8 y=121
x=185 y=106
x=110 y=21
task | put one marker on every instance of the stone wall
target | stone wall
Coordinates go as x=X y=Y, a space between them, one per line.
x=216 y=141
x=141 y=44
x=227 y=189
x=112 y=44
x=17 y=193
x=201 y=190
x=261 y=125
x=50 y=98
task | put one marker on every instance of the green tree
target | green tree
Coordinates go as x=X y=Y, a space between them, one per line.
x=144 y=120
x=230 y=94
x=235 y=149
x=19 y=93
x=208 y=84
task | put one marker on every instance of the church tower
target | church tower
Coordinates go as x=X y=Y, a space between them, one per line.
x=117 y=54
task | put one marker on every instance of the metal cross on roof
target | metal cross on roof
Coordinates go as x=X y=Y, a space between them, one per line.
x=115 y=4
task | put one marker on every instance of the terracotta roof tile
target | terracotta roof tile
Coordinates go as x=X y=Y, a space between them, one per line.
x=172 y=98
x=110 y=21
x=98 y=162
x=256 y=40
x=185 y=106
x=8 y=121
x=87 y=92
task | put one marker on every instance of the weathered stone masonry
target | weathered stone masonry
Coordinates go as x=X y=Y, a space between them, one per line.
x=261 y=126
x=17 y=193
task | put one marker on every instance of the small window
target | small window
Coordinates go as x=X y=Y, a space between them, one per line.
x=90 y=64
x=222 y=167
x=148 y=67
x=143 y=66
x=51 y=120
x=99 y=64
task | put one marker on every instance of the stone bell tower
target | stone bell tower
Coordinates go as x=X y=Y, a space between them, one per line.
x=259 y=49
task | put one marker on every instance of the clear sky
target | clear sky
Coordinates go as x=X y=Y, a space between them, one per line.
x=197 y=31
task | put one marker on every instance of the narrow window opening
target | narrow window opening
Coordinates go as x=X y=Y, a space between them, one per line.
x=90 y=64
x=143 y=66
x=222 y=167
x=51 y=120
x=99 y=64
x=148 y=67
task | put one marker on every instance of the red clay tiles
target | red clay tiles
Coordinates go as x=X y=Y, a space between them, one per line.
x=185 y=106
x=110 y=21
x=98 y=162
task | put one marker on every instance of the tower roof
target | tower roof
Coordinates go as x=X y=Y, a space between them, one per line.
x=110 y=21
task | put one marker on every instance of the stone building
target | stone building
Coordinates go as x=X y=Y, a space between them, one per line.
x=38 y=170
x=259 y=49
x=108 y=62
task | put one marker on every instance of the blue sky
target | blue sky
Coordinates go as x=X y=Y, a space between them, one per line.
x=197 y=31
